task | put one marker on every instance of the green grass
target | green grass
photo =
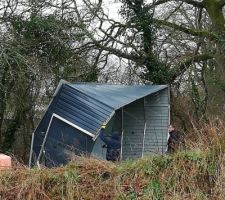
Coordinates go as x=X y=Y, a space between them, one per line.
x=185 y=175
x=197 y=173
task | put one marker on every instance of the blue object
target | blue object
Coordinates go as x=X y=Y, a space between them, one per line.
x=78 y=111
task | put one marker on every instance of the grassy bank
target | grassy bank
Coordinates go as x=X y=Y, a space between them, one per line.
x=197 y=173
x=186 y=175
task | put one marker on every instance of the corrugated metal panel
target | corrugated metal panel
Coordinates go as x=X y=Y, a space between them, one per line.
x=89 y=105
x=133 y=130
x=76 y=107
x=157 y=118
x=80 y=109
x=117 y=96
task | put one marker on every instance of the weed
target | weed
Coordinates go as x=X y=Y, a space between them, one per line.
x=195 y=174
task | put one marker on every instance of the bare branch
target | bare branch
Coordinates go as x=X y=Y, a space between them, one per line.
x=194 y=3
x=191 y=2
x=117 y=52
x=182 y=67
x=189 y=31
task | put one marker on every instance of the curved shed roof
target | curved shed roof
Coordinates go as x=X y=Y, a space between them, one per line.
x=88 y=105
x=117 y=96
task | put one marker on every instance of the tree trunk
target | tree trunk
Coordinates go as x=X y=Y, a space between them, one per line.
x=216 y=87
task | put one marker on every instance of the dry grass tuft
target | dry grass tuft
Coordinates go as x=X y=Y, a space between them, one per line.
x=207 y=136
x=196 y=174
x=83 y=178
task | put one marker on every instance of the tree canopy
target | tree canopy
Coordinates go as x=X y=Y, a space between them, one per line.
x=180 y=43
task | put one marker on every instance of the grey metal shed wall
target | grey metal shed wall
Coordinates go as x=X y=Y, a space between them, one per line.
x=113 y=125
x=133 y=125
x=88 y=106
x=98 y=151
x=157 y=119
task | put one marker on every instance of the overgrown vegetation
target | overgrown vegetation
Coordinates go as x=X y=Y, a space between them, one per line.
x=197 y=173
x=180 y=43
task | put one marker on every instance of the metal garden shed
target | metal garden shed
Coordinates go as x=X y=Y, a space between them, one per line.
x=72 y=121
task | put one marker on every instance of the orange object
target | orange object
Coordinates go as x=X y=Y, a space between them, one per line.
x=5 y=161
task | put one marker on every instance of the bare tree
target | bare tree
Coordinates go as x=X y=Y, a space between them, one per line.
x=164 y=38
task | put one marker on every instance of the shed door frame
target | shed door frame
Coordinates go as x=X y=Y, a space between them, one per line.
x=49 y=125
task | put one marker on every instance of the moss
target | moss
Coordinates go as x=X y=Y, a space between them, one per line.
x=215 y=13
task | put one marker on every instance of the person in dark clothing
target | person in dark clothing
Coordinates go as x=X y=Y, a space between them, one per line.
x=175 y=141
x=113 y=145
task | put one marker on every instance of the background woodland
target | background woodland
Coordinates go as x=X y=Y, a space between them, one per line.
x=180 y=43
